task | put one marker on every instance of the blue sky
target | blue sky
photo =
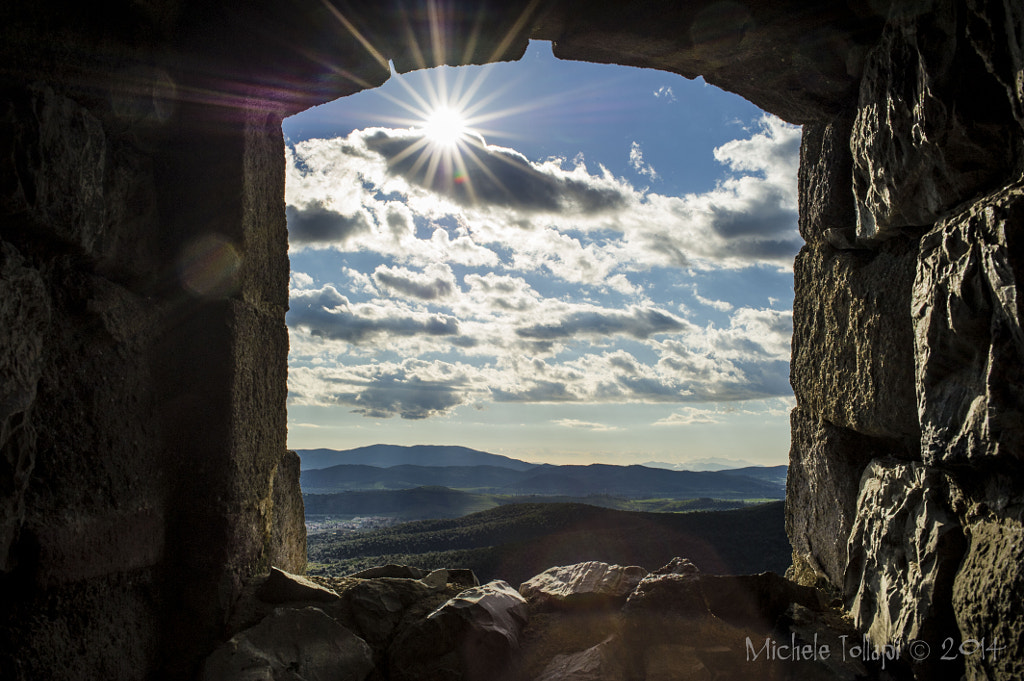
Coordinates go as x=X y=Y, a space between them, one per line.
x=576 y=263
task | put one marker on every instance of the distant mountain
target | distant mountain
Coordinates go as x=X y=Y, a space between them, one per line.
x=386 y=456
x=637 y=482
x=348 y=477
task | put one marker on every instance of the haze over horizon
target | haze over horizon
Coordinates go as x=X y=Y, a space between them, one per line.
x=555 y=261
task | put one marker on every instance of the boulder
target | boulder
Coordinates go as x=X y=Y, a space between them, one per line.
x=397 y=571
x=284 y=587
x=674 y=589
x=378 y=605
x=458 y=576
x=583 y=585
x=292 y=645
x=603 y=662
x=756 y=600
x=472 y=636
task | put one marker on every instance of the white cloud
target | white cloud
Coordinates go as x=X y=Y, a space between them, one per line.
x=636 y=162
x=665 y=92
x=583 y=425
x=523 y=282
x=689 y=416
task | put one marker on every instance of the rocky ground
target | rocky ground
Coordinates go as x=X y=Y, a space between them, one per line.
x=586 y=622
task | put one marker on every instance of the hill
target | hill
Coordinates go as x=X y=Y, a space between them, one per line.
x=515 y=542
x=424 y=503
x=385 y=456
x=634 y=482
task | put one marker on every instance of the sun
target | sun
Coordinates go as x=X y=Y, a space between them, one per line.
x=445 y=126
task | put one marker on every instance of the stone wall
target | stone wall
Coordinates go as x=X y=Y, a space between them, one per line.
x=143 y=286
x=908 y=345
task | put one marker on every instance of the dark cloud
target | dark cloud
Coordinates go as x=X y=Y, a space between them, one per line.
x=405 y=283
x=640 y=323
x=398 y=392
x=318 y=224
x=493 y=176
x=328 y=314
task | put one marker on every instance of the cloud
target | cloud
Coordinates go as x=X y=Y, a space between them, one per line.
x=412 y=389
x=636 y=322
x=522 y=282
x=490 y=175
x=435 y=283
x=689 y=416
x=665 y=92
x=317 y=224
x=583 y=425
x=582 y=226
x=327 y=314
x=636 y=162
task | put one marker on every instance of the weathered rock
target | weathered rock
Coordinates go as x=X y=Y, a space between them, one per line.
x=970 y=340
x=394 y=571
x=988 y=597
x=931 y=128
x=292 y=645
x=905 y=547
x=458 y=576
x=823 y=481
x=678 y=593
x=282 y=587
x=591 y=584
x=24 y=315
x=677 y=566
x=826 y=171
x=603 y=662
x=756 y=600
x=377 y=605
x=288 y=539
x=853 y=341
x=996 y=30
x=673 y=661
x=472 y=637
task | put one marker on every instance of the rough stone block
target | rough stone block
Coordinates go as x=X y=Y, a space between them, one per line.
x=905 y=547
x=933 y=128
x=969 y=337
x=853 y=341
x=988 y=596
x=288 y=534
x=825 y=466
x=24 y=317
x=825 y=180
x=996 y=30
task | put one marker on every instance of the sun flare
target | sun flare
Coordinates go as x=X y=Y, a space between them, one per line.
x=445 y=126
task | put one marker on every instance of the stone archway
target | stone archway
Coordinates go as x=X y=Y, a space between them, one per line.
x=144 y=284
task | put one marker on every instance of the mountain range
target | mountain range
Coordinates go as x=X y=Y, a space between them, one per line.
x=482 y=472
x=386 y=456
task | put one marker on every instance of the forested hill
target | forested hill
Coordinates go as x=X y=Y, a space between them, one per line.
x=518 y=541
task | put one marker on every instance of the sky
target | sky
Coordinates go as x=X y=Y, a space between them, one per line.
x=558 y=261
